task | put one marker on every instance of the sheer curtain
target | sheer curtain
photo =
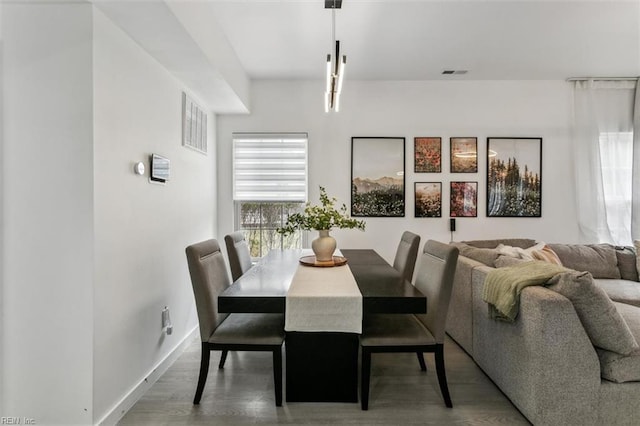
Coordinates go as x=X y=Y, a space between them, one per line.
x=605 y=168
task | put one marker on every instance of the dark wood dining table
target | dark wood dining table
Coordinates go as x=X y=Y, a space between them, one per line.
x=321 y=367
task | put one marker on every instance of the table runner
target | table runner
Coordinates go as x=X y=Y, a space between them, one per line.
x=323 y=299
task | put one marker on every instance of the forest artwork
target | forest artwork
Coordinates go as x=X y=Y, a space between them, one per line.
x=464 y=155
x=427 y=155
x=428 y=199
x=464 y=199
x=514 y=177
x=377 y=177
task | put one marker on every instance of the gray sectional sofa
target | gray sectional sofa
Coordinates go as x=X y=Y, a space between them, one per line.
x=546 y=362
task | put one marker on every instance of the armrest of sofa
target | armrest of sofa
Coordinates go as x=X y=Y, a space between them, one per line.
x=459 y=316
x=544 y=362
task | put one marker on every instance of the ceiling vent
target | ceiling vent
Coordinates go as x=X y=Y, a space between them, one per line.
x=451 y=72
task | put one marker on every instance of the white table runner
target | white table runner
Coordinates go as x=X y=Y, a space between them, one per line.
x=323 y=299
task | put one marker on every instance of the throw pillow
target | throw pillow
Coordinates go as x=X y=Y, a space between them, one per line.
x=547 y=255
x=627 y=260
x=601 y=320
x=483 y=255
x=505 y=261
x=599 y=259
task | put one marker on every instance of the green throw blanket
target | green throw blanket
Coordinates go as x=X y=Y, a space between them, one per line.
x=502 y=286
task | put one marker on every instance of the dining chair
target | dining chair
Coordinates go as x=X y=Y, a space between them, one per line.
x=406 y=254
x=239 y=254
x=225 y=332
x=417 y=333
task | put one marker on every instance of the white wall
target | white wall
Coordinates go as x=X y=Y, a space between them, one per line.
x=413 y=109
x=141 y=229
x=48 y=212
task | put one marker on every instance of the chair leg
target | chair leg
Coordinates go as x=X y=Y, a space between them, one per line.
x=423 y=366
x=442 y=376
x=277 y=375
x=204 y=371
x=223 y=358
x=365 y=377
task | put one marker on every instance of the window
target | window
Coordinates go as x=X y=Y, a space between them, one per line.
x=616 y=161
x=269 y=184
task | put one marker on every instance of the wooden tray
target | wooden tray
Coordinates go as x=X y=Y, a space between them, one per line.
x=311 y=261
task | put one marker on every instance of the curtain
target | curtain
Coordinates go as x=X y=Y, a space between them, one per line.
x=635 y=190
x=603 y=117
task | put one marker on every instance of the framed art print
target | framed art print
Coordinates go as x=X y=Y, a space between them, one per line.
x=464 y=155
x=464 y=199
x=377 y=176
x=428 y=199
x=427 y=155
x=514 y=177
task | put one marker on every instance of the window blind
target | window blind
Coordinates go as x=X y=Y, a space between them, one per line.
x=270 y=167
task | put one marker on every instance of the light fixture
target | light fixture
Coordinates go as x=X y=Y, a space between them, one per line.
x=335 y=65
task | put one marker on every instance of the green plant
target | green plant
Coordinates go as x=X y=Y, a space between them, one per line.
x=322 y=217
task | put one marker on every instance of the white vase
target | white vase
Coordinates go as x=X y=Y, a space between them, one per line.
x=323 y=246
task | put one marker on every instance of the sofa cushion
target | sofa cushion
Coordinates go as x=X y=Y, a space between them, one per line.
x=599 y=259
x=504 y=261
x=623 y=291
x=623 y=368
x=601 y=320
x=483 y=255
x=627 y=263
x=515 y=242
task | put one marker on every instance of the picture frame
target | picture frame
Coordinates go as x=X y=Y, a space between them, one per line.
x=377 y=176
x=463 y=155
x=463 y=198
x=194 y=125
x=428 y=199
x=514 y=177
x=427 y=155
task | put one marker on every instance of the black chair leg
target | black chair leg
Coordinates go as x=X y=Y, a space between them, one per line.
x=277 y=375
x=223 y=358
x=365 y=377
x=204 y=371
x=442 y=376
x=423 y=366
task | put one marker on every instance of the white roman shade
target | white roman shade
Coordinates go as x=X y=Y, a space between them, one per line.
x=270 y=167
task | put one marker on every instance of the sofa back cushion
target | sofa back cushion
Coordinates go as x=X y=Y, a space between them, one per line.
x=623 y=368
x=601 y=320
x=627 y=263
x=491 y=244
x=598 y=259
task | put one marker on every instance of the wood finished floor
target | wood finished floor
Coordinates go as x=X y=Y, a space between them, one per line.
x=242 y=394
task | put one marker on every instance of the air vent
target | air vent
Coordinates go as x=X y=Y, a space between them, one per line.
x=450 y=72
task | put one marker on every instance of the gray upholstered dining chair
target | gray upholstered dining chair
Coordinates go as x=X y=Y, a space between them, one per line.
x=239 y=254
x=415 y=332
x=225 y=332
x=406 y=254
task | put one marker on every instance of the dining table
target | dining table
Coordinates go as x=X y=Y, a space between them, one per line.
x=321 y=366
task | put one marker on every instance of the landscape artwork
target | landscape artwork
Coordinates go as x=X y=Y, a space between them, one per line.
x=514 y=177
x=464 y=199
x=427 y=155
x=377 y=176
x=464 y=155
x=428 y=199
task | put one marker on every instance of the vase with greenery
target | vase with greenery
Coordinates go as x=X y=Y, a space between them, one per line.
x=322 y=218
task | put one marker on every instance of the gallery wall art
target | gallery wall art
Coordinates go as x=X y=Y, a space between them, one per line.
x=427 y=155
x=428 y=199
x=377 y=176
x=463 y=155
x=464 y=199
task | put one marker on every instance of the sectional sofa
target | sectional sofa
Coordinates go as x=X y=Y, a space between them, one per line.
x=549 y=362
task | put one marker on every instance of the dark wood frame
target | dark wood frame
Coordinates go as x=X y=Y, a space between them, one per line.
x=451 y=198
x=451 y=143
x=357 y=139
x=537 y=152
x=415 y=199
x=438 y=166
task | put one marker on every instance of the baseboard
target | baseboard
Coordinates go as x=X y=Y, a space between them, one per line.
x=120 y=409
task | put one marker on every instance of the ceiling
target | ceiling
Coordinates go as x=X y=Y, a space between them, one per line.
x=216 y=47
x=418 y=39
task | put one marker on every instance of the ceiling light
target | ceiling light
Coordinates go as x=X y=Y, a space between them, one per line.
x=335 y=64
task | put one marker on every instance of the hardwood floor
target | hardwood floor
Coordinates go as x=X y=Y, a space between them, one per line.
x=242 y=393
